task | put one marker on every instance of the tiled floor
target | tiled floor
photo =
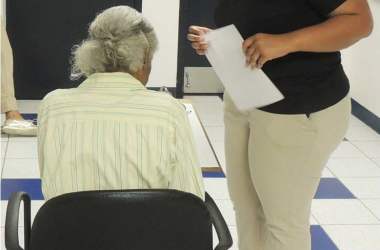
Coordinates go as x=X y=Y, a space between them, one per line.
x=346 y=209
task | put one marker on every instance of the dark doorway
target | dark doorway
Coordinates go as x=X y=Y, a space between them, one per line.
x=192 y=12
x=42 y=34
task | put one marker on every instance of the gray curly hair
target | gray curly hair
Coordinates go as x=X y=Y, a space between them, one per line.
x=119 y=39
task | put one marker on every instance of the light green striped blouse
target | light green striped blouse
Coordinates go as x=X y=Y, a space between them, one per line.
x=113 y=133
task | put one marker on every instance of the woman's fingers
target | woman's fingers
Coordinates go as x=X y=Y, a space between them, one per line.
x=248 y=43
x=249 y=53
x=199 y=45
x=261 y=62
x=255 y=59
x=194 y=38
x=201 y=52
x=197 y=30
x=253 y=55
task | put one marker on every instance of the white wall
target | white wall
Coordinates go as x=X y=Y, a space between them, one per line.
x=362 y=64
x=2 y=14
x=164 y=16
x=2 y=8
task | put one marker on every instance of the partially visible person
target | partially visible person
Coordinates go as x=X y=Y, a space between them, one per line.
x=14 y=123
x=111 y=132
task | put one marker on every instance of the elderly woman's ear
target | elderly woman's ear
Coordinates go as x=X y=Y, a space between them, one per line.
x=143 y=74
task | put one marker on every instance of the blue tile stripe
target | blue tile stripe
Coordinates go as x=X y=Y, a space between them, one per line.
x=332 y=188
x=33 y=186
x=213 y=174
x=320 y=240
x=329 y=188
x=31 y=116
x=30 y=186
x=366 y=116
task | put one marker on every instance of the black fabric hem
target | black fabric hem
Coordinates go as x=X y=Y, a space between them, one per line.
x=333 y=5
x=335 y=88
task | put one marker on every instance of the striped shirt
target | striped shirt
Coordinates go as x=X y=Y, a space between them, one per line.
x=113 y=133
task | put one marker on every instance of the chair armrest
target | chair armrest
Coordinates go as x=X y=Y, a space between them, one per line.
x=221 y=228
x=11 y=221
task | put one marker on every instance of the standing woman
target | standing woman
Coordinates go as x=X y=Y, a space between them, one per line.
x=275 y=155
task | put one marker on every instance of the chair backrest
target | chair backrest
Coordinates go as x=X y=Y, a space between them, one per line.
x=123 y=220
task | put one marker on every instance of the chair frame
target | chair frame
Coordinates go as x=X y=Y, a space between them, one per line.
x=12 y=241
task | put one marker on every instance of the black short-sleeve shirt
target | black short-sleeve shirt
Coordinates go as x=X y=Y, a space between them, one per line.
x=309 y=81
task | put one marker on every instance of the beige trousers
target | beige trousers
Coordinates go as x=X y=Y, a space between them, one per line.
x=8 y=100
x=274 y=164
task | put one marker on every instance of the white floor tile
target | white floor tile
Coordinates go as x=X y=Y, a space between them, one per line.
x=2 y=236
x=327 y=173
x=205 y=153
x=210 y=113
x=362 y=133
x=208 y=108
x=355 y=122
x=215 y=133
x=22 y=139
x=211 y=119
x=355 y=237
x=208 y=160
x=28 y=106
x=3 y=148
x=376 y=160
x=363 y=188
x=219 y=150
x=4 y=137
x=353 y=167
x=217 y=188
x=21 y=168
x=347 y=150
x=22 y=150
x=342 y=212
x=203 y=99
x=373 y=205
x=234 y=234
x=313 y=221
x=369 y=148
x=35 y=206
x=226 y=208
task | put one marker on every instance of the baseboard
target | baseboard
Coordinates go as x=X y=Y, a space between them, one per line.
x=366 y=116
x=204 y=94
x=175 y=93
x=172 y=90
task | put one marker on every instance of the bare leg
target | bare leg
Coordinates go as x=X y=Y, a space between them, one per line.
x=13 y=115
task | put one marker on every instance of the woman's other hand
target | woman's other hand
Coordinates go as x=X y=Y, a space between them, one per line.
x=196 y=37
x=262 y=48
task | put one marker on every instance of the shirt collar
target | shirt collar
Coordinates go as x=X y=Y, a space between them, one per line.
x=112 y=80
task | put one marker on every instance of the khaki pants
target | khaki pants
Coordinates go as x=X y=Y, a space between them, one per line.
x=8 y=100
x=274 y=164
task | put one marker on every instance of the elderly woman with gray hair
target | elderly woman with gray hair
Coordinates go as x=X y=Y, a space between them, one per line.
x=111 y=132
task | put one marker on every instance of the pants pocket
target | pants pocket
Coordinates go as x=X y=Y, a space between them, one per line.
x=291 y=130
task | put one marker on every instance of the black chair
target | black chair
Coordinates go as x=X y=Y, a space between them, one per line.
x=118 y=220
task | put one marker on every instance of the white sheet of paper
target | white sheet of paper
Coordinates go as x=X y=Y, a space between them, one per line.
x=248 y=88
